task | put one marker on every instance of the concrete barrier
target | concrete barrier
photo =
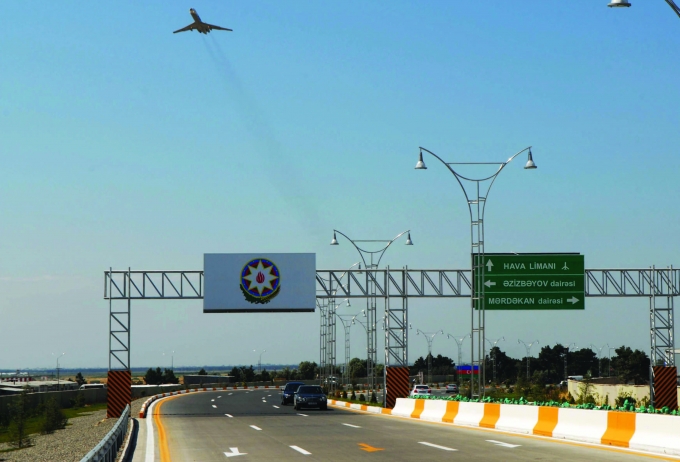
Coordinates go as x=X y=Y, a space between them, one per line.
x=656 y=433
x=647 y=432
x=581 y=425
x=518 y=419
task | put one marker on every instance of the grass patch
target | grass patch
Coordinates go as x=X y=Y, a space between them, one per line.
x=71 y=413
x=34 y=424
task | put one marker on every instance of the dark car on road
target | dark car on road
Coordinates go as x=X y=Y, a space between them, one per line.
x=310 y=396
x=288 y=394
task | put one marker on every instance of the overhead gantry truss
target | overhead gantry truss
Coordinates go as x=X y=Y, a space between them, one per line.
x=412 y=283
x=660 y=285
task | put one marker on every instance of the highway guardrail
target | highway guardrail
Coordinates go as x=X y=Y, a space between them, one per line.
x=107 y=449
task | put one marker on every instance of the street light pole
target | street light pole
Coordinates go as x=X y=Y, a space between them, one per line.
x=327 y=334
x=459 y=343
x=476 y=195
x=493 y=345
x=429 y=337
x=528 y=348
x=626 y=3
x=58 y=385
x=599 y=357
x=259 y=361
x=566 y=352
x=371 y=302
x=609 y=374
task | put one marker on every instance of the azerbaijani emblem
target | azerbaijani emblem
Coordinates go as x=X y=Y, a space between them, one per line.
x=260 y=281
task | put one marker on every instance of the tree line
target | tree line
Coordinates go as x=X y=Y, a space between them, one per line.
x=553 y=364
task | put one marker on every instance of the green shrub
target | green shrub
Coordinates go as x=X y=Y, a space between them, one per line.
x=53 y=417
x=354 y=396
x=362 y=397
x=374 y=399
x=344 y=394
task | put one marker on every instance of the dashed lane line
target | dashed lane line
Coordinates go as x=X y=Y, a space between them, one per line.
x=304 y=415
x=276 y=407
x=229 y=415
x=255 y=427
x=436 y=446
x=301 y=451
x=353 y=426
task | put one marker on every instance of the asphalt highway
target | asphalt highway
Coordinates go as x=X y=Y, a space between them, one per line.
x=253 y=425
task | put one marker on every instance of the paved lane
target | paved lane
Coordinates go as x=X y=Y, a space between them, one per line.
x=205 y=426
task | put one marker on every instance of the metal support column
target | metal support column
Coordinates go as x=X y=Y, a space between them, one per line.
x=119 y=325
x=661 y=321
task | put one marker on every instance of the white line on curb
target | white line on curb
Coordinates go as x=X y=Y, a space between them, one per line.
x=301 y=451
x=256 y=428
x=437 y=446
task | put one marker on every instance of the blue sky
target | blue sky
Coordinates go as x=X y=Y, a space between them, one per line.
x=124 y=145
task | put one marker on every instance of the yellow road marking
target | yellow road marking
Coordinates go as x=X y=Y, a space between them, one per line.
x=162 y=440
x=367 y=448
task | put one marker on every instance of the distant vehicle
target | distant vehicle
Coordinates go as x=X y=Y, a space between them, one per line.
x=200 y=26
x=310 y=396
x=421 y=390
x=288 y=394
x=331 y=380
x=575 y=377
x=452 y=388
x=90 y=386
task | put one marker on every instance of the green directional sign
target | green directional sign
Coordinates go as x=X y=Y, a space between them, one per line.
x=531 y=281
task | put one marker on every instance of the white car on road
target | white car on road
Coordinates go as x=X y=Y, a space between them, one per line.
x=421 y=390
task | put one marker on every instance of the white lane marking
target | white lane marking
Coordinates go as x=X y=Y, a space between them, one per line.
x=437 y=446
x=301 y=451
x=230 y=394
x=256 y=428
x=304 y=415
x=353 y=426
x=212 y=400
x=505 y=445
x=234 y=452
x=268 y=395
x=229 y=415
x=150 y=455
x=219 y=396
x=276 y=406
x=214 y=406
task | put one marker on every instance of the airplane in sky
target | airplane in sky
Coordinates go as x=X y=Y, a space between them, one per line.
x=200 y=26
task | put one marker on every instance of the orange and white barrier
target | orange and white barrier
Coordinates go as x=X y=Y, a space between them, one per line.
x=647 y=432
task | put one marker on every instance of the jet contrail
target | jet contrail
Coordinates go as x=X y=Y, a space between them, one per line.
x=282 y=175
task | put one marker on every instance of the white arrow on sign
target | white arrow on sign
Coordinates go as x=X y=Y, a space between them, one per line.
x=489 y=283
x=505 y=445
x=572 y=300
x=234 y=452
x=489 y=265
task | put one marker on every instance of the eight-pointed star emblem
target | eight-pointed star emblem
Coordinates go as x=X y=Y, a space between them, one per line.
x=260 y=280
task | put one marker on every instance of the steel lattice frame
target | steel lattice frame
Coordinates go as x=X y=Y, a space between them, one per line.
x=660 y=285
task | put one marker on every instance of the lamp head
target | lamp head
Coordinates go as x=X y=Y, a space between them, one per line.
x=408 y=239
x=530 y=162
x=348 y=302
x=421 y=165
x=618 y=3
x=334 y=241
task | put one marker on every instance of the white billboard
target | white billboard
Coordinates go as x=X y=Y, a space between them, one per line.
x=258 y=282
